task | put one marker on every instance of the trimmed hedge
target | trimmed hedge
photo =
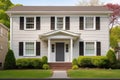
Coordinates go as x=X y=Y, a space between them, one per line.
x=93 y=61
x=25 y=63
x=31 y=63
x=85 y=61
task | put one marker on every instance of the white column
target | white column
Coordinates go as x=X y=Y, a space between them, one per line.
x=71 y=49
x=49 y=50
x=11 y=31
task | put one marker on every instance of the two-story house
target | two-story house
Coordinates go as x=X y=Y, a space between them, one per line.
x=59 y=32
x=3 y=43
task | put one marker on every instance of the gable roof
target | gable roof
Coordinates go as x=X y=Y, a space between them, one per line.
x=59 y=8
x=55 y=9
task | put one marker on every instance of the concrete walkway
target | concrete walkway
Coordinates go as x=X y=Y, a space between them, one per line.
x=59 y=74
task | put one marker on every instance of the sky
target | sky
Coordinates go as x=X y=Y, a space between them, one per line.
x=56 y=2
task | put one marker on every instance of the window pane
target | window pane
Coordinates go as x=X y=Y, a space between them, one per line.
x=59 y=23
x=30 y=22
x=89 y=22
x=53 y=48
x=89 y=48
x=29 y=48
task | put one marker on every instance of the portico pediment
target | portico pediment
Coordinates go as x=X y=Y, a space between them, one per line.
x=59 y=34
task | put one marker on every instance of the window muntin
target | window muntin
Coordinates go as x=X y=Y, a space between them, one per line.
x=89 y=48
x=29 y=22
x=29 y=48
x=60 y=21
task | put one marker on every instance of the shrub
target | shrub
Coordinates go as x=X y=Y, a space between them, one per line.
x=85 y=61
x=111 y=56
x=116 y=65
x=44 y=60
x=25 y=63
x=74 y=62
x=100 y=61
x=45 y=66
x=10 y=62
x=74 y=67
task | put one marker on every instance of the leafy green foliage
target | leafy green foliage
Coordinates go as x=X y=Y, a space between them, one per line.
x=100 y=61
x=44 y=60
x=111 y=56
x=4 y=6
x=93 y=61
x=25 y=63
x=74 y=62
x=10 y=62
x=85 y=61
x=115 y=36
x=46 y=66
x=74 y=67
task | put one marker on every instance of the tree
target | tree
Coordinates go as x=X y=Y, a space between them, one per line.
x=90 y=3
x=115 y=37
x=10 y=62
x=4 y=6
x=114 y=17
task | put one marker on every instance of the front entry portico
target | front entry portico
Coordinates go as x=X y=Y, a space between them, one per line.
x=59 y=39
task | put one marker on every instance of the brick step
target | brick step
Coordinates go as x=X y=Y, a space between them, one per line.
x=60 y=66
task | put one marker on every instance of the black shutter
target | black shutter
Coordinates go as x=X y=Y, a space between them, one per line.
x=81 y=48
x=98 y=51
x=67 y=23
x=97 y=23
x=37 y=48
x=52 y=23
x=21 y=23
x=37 y=23
x=81 y=23
x=21 y=48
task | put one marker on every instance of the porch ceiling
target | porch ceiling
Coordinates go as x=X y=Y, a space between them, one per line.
x=59 y=34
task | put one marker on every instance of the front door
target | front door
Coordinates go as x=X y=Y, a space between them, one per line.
x=59 y=51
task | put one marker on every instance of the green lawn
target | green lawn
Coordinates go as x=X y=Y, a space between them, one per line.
x=25 y=73
x=94 y=73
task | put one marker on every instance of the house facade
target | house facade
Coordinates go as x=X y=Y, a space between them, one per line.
x=61 y=33
x=3 y=43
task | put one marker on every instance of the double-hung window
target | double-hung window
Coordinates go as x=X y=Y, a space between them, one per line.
x=29 y=49
x=89 y=23
x=89 y=48
x=30 y=23
x=60 y=23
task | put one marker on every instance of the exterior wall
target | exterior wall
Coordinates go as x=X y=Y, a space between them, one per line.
x=3 y=44
x=101 y=35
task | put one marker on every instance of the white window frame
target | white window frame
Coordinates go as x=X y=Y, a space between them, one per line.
x=56 y=22
x=34 y=23
x=94 y=23
x=25 y=48
x=94 y=54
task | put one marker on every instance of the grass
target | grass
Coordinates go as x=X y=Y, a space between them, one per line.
x=94 y=73
x=25 y=73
